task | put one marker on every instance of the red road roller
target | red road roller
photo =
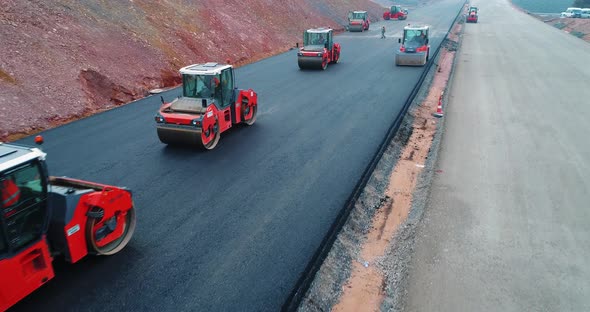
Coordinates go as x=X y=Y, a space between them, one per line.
x=209 y=106
x=472 y=15
x=319 y=49
x=395 y=12
x=414 y=48
x=358 y=21
x=43 y=216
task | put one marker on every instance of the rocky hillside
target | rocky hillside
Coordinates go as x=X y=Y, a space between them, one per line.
x=64 y=59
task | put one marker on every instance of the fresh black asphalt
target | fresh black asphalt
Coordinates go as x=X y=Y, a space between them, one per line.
x=233 y=228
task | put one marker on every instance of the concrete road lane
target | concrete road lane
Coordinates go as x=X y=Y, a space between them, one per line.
x=507 y=227
x=233 y=228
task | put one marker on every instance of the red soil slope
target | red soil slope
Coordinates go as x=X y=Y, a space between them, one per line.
x=64 y=59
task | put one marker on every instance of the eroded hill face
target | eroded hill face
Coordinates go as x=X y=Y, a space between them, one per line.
x=63 y=59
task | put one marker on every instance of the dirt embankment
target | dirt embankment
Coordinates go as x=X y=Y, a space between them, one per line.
x=575 y=26
x=65 y=59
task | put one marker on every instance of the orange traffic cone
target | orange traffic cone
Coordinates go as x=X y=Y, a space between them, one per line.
x=439 y=111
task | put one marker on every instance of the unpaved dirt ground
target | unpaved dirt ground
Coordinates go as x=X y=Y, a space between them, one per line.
x=66 y=59
x=575 y=26
x=506 y=222
x=365 y=267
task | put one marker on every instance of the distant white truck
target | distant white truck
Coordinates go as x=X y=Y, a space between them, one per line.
x=585 y=13
x=572 y=12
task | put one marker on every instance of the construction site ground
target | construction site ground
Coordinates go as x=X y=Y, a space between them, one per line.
x=495 y=220
x=240 y=229
x=366 y=267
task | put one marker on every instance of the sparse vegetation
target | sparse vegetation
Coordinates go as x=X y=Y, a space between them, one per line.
x=6 y=77
x=579 y=27
x=581 y=4
x=543 y=6
x=578 y=34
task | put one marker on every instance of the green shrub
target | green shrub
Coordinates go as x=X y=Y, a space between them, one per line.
x=581 y=4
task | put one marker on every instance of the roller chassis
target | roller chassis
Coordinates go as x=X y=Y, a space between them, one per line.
x=358 y=26
x=411 y=59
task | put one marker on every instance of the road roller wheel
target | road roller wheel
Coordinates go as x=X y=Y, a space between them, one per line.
x=301 y=65
x=249 y=114
x=336 y=59
x=324 y=63
x=162 y=136
x=94 y=225
x=206 y=136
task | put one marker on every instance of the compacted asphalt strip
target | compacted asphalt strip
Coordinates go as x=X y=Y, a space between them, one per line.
x=507 y=226
x=233 y=228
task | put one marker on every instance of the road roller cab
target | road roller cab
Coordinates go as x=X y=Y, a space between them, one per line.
x=43 y=216
x=210 y=105
x=358 y=21
x=319 y=49
x=395 y=12
x=414 y=46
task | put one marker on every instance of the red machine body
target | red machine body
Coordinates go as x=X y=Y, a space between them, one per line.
x=472 y=15
x=210 y=105
x=319 y=49
x=395 y=12
x=24 y=273
x=414 y=47
x=54 y=216
x=358 y=21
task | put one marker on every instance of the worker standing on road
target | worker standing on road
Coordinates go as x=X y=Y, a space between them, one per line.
x=383 y=32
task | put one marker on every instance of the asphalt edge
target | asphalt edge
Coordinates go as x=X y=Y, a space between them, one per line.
x=303 y=284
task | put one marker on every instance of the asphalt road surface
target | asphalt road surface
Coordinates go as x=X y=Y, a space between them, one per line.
x=233 y=228
x=507 y=227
